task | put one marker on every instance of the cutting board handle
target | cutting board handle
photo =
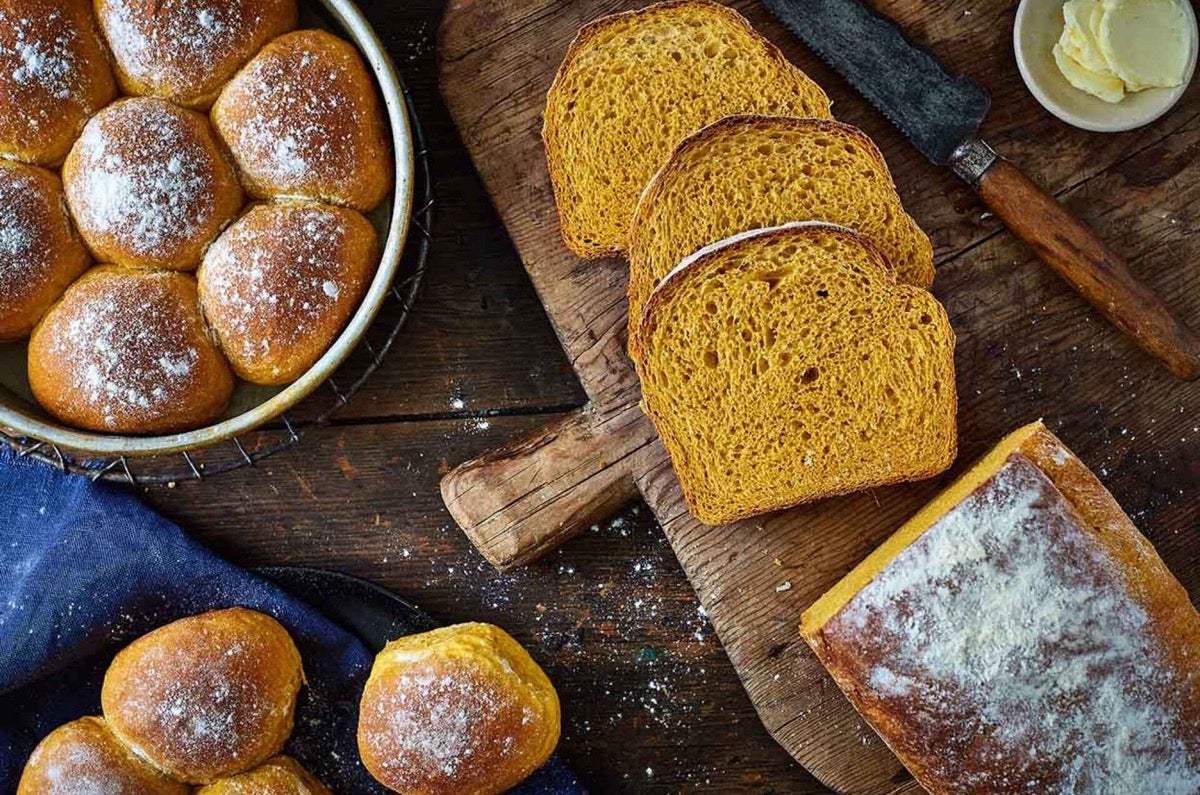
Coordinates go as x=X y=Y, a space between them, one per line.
x=524 y=500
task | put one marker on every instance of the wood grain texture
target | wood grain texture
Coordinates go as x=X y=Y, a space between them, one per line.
x=1028 y=347
x=1093 y=270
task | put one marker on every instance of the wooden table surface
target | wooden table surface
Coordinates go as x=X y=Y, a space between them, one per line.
x=650 y=701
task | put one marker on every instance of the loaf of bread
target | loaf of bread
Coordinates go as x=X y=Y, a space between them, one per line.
x=279 y=776
x=750 y=172
x=54 y=75
x=279 y=285
x=206 y=697
x=186 y=50
x=633 y=86
x=1020 y=635
x=787 y=365
x=149 y=185
x=40 y=254
x=84 y=758
x=303 y=119
x=461 y=710
x=128 y=351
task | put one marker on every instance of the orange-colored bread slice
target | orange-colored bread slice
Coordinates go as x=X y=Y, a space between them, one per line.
x=786 y=365
x=750 y=172
x=632 y=86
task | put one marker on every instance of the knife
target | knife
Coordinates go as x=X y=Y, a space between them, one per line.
x=940 y=114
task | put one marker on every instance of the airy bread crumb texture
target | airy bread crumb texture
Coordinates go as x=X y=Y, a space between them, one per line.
x=749 y=172
x=787 y=365
x=632 y=86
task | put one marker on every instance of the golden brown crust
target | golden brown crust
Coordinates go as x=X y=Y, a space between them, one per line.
x=279 y=285
x=303 y=119
x=84 y=757
x=40 y=254
x=941 y=405
x=54 y=74
x=186 y=50
x=585 y=243
x=208 y=696
x=127 y=351
x=461 y=710
x=279 y=776
x=1020 y=634
x=149 y=185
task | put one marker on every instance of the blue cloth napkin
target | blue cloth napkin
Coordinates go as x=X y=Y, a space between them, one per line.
x=85 y=568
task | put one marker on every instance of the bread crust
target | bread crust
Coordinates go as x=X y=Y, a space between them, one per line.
x=84 y=756
x=149 y=186
x=186 y=50
x=43 y=254
x=1099 y=564
x=461 y=710
x=551 y=134
x=280 y=284
x=641 y=236
x=207 y=696
x=54 y=74
x=279 y=776
x=662 y=415
x=303 y=120
x=127 y=351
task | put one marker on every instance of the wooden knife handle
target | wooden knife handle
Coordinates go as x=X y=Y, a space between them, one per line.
x=1084 y=261
x=524 y=500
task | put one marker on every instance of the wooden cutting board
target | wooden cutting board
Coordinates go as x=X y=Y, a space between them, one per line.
x=1027 y=348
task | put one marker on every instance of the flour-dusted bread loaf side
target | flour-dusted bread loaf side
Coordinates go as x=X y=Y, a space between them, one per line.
x=750 y=172
x=632 y=86
x=786 y=365
x=1020 y=635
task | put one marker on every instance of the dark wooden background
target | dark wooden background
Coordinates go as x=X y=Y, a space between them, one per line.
x=650 y=700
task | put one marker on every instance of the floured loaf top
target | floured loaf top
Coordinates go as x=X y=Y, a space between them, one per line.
x=1026 y=639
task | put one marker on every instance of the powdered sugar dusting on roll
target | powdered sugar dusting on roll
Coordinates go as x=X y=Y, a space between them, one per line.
x=145 y=178
x=182 y=49
x=21 y=230
x=1008 y=617
x=437 y=720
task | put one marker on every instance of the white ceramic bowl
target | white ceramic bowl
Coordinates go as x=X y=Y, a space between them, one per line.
x=1039 y=25
x=253 y=406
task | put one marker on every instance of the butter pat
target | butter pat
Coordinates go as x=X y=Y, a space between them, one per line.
x=1111 y=47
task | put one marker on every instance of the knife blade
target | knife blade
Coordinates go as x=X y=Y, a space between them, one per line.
x=940 y=114
x=936 y=110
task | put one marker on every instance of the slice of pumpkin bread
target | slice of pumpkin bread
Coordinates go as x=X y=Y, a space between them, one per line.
x=750 y=172
x=785 y=365
x=632 y=86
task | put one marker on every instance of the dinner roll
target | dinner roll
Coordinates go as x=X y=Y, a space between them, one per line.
x=303 y=119
x=127 y=351
x=279 y=285
x=149 y=185
x=279 y=776
x=185 y=50
x=208 y=696
x=461 y=710
x=40 y=254
x=54 y=74
x=83 y=757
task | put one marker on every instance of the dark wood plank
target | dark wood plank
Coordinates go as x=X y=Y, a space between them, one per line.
x=497 y=61
x=649 y=698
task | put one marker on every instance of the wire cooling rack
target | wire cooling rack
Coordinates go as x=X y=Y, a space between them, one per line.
x=319 y=408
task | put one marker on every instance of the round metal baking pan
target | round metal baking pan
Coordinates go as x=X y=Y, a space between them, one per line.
x=253 y=406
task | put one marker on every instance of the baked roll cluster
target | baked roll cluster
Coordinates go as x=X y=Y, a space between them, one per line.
x=207 y=700
x=153 y=184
